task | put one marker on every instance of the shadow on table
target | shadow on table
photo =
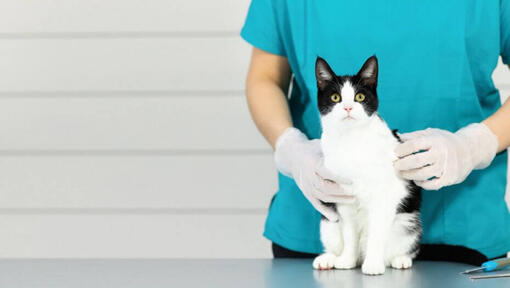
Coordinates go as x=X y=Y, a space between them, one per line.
x=295 y=274
x=354 y=278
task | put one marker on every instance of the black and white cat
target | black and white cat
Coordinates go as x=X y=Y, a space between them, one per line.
x=382 y=227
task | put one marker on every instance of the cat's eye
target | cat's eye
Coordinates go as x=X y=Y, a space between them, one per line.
x=360 y=97
x=335 y=97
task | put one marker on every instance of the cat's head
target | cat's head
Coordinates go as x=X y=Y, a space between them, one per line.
x=347 y=100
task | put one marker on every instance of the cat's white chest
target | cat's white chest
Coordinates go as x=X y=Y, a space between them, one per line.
x=360 y=154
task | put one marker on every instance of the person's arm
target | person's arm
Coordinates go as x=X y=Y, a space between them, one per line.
x=499 y=124
x=266 y=89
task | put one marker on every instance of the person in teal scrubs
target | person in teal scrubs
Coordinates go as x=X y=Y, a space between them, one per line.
x=436 y=59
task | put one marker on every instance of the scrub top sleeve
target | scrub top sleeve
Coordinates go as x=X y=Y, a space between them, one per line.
x=261 y=28
x=505 y=31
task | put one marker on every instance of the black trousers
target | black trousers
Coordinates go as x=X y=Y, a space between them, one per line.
x=435 y=252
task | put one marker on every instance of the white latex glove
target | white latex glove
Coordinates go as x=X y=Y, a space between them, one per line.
x=446 y=158
x=297 y=157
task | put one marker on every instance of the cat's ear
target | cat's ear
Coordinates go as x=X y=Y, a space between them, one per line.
x=368 y=73
x=323 y=72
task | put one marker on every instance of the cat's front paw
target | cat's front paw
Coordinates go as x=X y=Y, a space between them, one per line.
x=402 y=262
x=324 y=261
x=371 y=267
x=345 y=262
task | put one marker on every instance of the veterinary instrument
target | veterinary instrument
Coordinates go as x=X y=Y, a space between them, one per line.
x=490 y=266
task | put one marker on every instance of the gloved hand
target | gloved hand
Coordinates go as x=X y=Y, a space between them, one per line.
x=297 y=157
x=446 y=158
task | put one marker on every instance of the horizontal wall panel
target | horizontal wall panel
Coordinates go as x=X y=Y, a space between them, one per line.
x=202 y=64
x=190 y=122
x=120 y=15
x=139 y=236
x=132 y=182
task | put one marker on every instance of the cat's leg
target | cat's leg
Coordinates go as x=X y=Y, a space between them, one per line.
x=331 y=238
x=350 y=233
x=380 y=213
x=404 y=239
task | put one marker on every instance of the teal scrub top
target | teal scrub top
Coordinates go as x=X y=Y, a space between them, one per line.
x=436 y=59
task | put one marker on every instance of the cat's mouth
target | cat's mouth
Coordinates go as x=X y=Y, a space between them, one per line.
x=349 y=117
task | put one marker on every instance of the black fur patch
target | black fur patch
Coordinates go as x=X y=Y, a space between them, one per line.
x=412 y=202
x=395 y=134
x=330 y=205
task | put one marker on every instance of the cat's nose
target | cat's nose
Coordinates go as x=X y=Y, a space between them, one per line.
x=348 y=108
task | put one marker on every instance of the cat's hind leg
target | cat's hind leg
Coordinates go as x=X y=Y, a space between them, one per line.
x=332 y=241
x=403 y=243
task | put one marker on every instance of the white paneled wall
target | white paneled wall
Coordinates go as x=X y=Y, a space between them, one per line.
x=172 y=64
x=125 y=132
